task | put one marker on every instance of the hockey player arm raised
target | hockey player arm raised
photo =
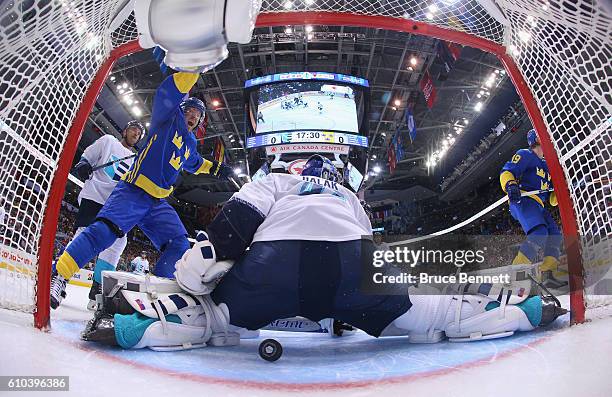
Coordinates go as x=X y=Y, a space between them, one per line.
x=510 y=175
x=170 y=94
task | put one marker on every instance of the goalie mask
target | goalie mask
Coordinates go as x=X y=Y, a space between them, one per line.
x=195 y=34
x=321 y=167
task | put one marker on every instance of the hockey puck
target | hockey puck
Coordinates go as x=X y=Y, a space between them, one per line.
x=270 y=350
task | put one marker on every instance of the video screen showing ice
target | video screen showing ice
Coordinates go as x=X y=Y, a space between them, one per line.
x=306 y=105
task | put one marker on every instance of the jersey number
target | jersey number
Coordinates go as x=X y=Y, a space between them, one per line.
x=516 y=158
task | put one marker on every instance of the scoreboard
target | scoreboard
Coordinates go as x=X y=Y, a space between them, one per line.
x=277 y=138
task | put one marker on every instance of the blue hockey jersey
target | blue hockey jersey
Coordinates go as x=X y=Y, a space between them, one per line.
x=531 y=173
x=170 y=147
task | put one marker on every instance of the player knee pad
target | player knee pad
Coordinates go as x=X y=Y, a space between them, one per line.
x=172 y=251
x=180 y=321
x=114 y=228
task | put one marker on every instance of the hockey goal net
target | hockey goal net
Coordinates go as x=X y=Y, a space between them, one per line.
x=55 y=56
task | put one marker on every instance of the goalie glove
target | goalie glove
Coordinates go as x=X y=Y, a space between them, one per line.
x=195 y=34
x=198 y=272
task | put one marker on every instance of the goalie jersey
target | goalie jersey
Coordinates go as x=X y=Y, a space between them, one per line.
x=288 y=207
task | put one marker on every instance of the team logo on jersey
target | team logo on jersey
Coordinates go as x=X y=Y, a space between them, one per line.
x=116 y=170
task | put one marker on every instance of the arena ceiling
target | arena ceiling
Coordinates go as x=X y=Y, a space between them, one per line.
x=393 y=62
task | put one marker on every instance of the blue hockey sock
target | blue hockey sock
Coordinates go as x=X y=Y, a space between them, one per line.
x=173 y=251
x=99 y=267
x=94 y=239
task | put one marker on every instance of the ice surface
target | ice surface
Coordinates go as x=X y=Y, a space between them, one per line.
x=560 y=361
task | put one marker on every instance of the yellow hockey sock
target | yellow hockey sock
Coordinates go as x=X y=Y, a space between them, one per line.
x=549 y=263
x=66 y=266
x=521 y=259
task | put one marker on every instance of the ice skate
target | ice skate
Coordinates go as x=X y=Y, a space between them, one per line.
x=58 y=290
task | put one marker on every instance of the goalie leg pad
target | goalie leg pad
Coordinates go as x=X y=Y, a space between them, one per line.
x=465 y=317
x=495 y=323
x=137 y=331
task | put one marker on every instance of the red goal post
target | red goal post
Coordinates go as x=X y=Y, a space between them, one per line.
x=335 y=12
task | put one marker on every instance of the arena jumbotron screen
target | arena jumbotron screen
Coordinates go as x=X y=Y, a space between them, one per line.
x=308 y=102
x=306 y=105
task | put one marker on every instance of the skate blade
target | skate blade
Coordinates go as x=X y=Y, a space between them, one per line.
x=186 y=346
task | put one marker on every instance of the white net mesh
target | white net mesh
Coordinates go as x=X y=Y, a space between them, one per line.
x=50 y=51
x=563 y=50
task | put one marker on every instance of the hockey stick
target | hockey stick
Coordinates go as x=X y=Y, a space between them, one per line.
x=231 y=178
x=113 y=162
x=467 y=221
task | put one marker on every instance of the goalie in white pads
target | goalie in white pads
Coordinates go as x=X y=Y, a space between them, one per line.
x=307 y=236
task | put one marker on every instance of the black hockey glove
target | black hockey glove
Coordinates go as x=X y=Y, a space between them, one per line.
x=514 y=192
x=223 y=171
x=82 y=170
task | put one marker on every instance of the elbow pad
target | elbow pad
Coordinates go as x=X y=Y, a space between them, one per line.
x=232 y=230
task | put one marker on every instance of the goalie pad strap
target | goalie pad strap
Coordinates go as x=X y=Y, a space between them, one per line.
x=164 y=305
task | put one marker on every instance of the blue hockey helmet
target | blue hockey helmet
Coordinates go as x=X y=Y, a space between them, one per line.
x=532 y=138
x=321 y=167
x=194 y=103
